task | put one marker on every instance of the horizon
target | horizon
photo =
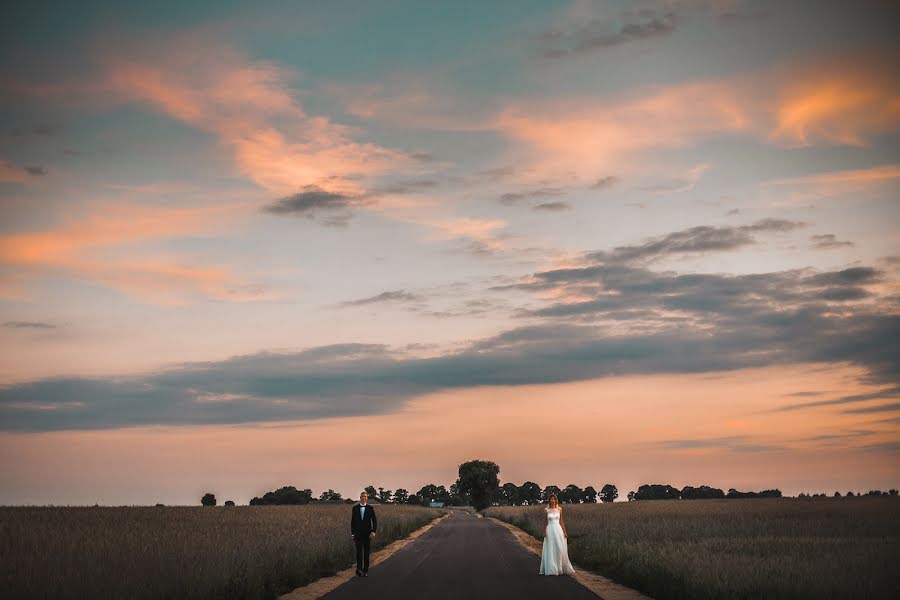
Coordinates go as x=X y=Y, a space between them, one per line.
x=341 y=245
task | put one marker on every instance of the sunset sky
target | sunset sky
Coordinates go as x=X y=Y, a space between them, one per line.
x=334 y=244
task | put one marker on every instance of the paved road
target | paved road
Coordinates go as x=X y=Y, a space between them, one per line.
x=464 y=558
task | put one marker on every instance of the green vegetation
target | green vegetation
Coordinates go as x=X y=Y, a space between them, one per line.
x=181 y=552
x=762 y=548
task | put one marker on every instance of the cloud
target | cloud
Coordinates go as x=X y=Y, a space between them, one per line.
x=71 y=249
x=542 y=192
x=29 y=325
x=10 y=173
x=625 y=319
x=385 y=297
x=884 y=393
x=604 y=182
x=828 y=241
x=250 y=106
x=702 y=238
x=596 y=34
x=312 y=202
x=847 y=176
x=552 y=206
x=738 y=443
x=682 y=184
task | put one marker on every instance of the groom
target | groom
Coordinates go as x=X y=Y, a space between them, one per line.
x=363 y=524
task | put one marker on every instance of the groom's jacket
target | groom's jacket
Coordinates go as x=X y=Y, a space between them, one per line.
x=361 y=527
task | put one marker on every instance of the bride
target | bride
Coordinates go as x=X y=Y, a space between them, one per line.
x=555 y=556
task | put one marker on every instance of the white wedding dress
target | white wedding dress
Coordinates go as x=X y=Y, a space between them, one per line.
x=555 y=557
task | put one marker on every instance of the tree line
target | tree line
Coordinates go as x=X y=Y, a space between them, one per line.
x=478 y=485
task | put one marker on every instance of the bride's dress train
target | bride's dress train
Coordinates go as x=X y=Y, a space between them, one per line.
x=555 y=557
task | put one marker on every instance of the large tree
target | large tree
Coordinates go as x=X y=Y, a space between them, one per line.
x=480 y=481
x=571 y=495
x=609 y=493
x=510 y=494
x=589 y=495
x=550 y=489
x=401 y=496
x=330 y=496
x=208 y=500
x=530 y=493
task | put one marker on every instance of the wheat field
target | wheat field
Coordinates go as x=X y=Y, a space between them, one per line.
x=760 y=548
x=184 y=552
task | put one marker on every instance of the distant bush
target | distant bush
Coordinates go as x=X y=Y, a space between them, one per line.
x=208 y=500
x=229 y=503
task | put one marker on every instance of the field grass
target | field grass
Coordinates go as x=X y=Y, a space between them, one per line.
x=181 y=552
x=761 y=548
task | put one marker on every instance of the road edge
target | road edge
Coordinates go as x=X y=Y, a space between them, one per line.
x=320 y=587
x=605 y=588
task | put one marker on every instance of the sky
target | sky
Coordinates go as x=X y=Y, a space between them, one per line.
x=248 y=245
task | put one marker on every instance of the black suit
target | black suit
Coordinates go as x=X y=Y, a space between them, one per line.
x=360 y=528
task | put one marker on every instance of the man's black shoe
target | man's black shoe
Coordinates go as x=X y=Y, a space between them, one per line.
x=359 y=573
x=365 y=573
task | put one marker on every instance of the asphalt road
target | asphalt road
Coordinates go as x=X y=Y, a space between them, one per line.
x=465 y=558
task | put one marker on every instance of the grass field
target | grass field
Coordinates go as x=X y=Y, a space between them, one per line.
x=181 y=552
x=761 y=548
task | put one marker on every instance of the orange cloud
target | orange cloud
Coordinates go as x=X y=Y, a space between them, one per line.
x=75 y=248
x=250 y=107
x=588 y=134
x=849 y=176
x=845 y=102
x=11 y=173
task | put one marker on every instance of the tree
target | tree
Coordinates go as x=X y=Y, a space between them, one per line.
x=631 y=496
x=704 y=492
x=510 y=494
x=609 y=493
x=414 y=499
x=550 y=489
x=849 y=494
x=384 y=496
x=656 y=492
x=371 y=491
x=480 y=481
x=401 y=496
x=892 y=492
x=433 y=493
x=837 y=494
x=287 y=495
x=589 y=495
x=530 y=493
x=571 y=495
x=229 y=503
x=331 y=497
x=456 y=499
x=208 y=500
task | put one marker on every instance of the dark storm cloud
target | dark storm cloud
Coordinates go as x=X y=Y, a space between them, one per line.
x=597 y=34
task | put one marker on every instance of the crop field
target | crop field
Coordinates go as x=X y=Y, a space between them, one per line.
x=181 y=552
x=760 y=548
